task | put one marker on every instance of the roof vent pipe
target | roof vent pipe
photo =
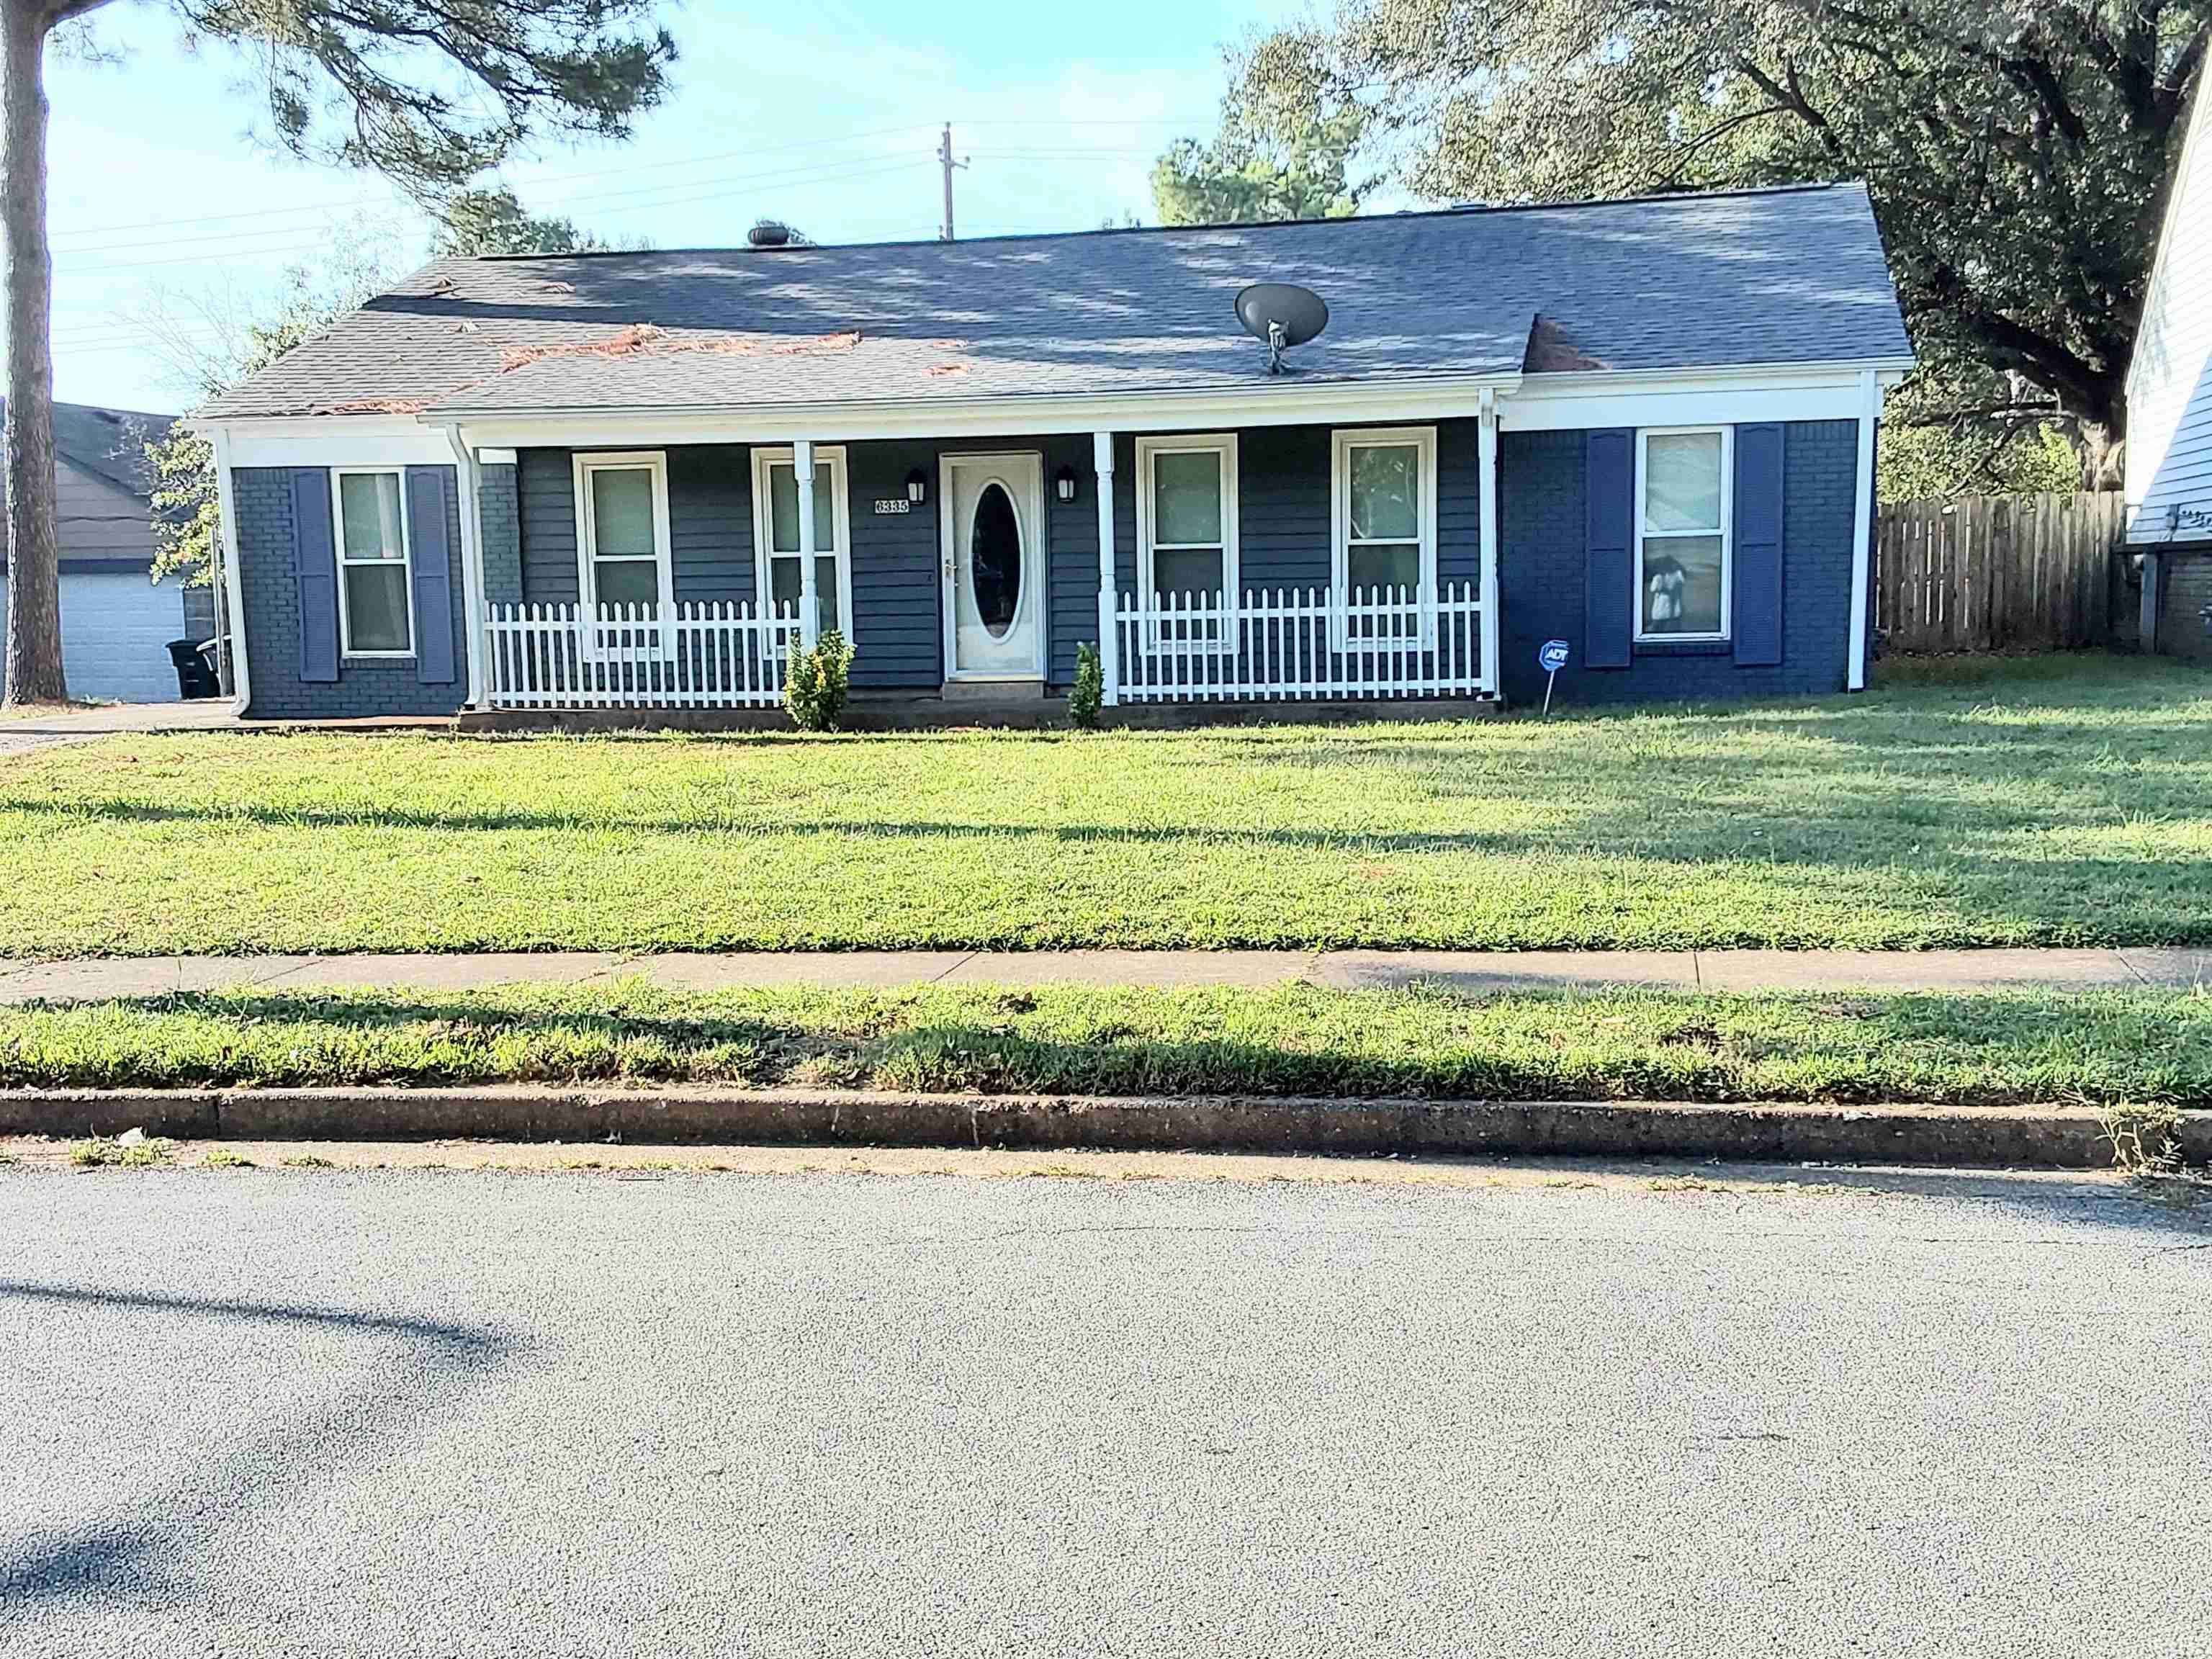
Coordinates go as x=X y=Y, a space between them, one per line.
x=769 y=233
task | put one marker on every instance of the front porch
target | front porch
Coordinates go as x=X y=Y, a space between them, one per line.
x=1298 y=565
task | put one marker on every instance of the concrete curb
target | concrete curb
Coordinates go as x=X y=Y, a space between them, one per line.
x=2040 y=1137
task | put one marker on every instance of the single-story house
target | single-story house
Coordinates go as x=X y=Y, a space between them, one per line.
x=1645 y=428
x=2168 y=498
x=117 y=623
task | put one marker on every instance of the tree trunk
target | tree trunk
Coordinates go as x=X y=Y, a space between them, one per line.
x=35 y=599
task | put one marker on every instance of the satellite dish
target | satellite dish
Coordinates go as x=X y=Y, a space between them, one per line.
x=1283 y=314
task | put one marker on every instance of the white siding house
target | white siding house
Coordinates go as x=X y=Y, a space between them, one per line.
x=2169 y=453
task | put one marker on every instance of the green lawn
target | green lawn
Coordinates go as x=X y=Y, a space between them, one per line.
x=2110 y=1048
x=2054 y=801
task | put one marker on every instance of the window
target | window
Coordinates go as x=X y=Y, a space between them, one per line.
x=1683 y=510
x=374 y=616
x=1384 y=506
x=775 y=535
x=621 y=531
x=1187 y=528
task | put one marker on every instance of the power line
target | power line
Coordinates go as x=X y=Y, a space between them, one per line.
x=852 y=168
x=553 y=178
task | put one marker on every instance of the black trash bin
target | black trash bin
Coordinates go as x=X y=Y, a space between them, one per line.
x=196 y=675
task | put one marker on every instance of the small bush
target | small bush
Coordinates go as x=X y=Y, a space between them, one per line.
x=1090 y=688
x=814 y=692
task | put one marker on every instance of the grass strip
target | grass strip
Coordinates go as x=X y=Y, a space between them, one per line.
x=2057 y=801
x=2100 y=1047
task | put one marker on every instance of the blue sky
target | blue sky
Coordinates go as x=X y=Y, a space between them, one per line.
x=825 y=116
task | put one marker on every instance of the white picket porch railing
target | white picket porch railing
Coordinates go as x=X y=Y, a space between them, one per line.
x=1279 y=643
x=703 y=656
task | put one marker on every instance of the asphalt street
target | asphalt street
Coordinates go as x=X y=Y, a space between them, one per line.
x=286 y=1411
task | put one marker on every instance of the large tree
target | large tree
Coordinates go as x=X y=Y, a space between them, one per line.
x=493 y=220
x=2017 y=151
x=430 y=92
x=1258 y=168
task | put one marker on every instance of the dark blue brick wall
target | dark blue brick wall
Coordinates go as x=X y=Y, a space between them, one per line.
x=386 y=686
x=500 y=506
x=1542 y=573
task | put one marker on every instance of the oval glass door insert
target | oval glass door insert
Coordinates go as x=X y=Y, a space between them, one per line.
x=994 y=560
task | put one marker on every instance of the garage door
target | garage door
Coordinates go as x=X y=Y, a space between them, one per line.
x=116 y=631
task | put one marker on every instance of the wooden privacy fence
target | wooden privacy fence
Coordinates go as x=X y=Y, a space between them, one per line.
x=1995 y=572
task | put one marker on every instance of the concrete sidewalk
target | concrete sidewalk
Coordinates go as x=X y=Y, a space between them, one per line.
x=1465 y=970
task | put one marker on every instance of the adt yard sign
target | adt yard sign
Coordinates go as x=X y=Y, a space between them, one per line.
x=1551 y=657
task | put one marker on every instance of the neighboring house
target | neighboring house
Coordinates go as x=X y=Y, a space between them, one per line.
x=116 y=623
x=2169 y=448
x=1645 y=428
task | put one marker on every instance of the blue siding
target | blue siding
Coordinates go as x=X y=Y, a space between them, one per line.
x=898 y=614
x=1542 y=566
x=363 y=687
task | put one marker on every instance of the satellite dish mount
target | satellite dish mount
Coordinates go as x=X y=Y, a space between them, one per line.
x=1282 y=315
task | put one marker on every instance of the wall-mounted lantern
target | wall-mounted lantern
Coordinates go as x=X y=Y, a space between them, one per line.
x=1063 y=483
x=917 y=487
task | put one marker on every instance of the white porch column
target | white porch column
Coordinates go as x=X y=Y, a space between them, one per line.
x=1486 y=472
x=809 y=617
x=1855 y=674
x=1109 y=643
x=469 y=476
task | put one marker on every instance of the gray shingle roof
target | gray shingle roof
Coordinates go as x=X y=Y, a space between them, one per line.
x=1754 y=277
x=109 y=442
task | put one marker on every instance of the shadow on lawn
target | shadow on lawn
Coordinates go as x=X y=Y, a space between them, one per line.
x=138 y=1552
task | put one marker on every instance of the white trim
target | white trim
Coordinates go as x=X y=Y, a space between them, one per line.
x=1726 y=529
x=338 y=474
x=2177 y=179
x=655 y=464
x=1486 y=492
x=1855 y=678
x=1422 y=439
x=234 y=588
x=1223 y=445
x=1037 y=562
x=335 y=443
x=497 y=458
x=1110 y=650
x=829 y=455
x=1732 y=393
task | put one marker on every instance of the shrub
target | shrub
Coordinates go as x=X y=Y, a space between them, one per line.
x=815 y=691
x=1089 y=688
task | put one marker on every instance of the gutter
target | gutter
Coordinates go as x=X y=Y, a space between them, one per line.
x=241 y=677
x=471 y=479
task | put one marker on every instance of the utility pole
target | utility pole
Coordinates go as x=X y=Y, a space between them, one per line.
x=944 y=161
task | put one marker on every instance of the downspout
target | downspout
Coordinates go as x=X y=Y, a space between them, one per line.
x=241 y=672
x=473 y=576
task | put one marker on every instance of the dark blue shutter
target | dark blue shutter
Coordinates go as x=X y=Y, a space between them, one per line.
x=1756 y=603
x=429 y=546
x=315 y=574
x=1609 y=601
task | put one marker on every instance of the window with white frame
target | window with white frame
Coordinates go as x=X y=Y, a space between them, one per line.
x=375 y=619
x=621 y=531
x=1683 y=515
x=1384 y=506
x=777 y=570
x=1187 y=528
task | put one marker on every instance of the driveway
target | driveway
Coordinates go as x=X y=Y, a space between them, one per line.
x=265 y=1412
x=44 y=728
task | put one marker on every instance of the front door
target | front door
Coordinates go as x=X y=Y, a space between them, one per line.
x=993 y=519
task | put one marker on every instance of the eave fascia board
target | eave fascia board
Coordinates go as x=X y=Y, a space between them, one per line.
x=1289 y=405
